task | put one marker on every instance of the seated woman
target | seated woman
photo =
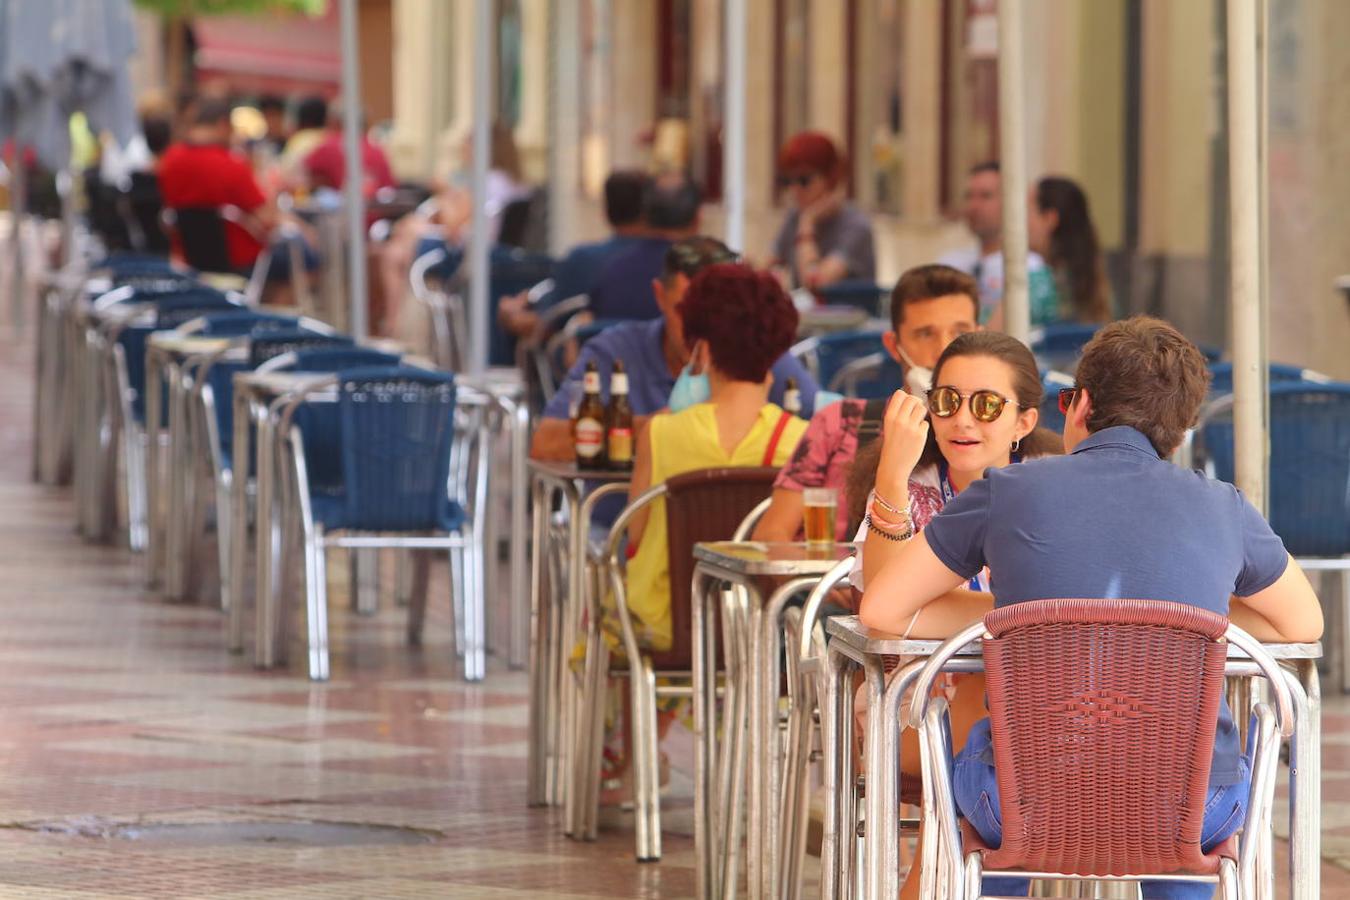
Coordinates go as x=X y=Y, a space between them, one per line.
x=824 y=239
x=1060 y=229
x=737 y=322
x=981 y=414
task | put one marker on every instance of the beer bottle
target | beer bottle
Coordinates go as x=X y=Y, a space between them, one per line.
x=792 y=397
x=588 y=428
x=619 y=421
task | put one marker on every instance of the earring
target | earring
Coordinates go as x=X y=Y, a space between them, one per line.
x=1017 y=445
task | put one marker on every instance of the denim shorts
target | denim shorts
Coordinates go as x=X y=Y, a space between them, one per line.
x=976 y=791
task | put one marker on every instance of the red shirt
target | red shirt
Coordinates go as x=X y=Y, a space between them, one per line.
x=327 y=165
x=210 y=175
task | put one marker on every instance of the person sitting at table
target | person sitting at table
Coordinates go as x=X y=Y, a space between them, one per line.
x=325 y=167
x=983 y=411
x=577 y=272
x=654 y=354
x=1112 y=518
x=735 y=323
x=824 y=238
x=202 y=171
x=930 y=307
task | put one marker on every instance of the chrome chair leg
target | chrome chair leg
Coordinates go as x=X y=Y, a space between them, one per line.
x=316 y=595
x=474 y=607
x=414 y=571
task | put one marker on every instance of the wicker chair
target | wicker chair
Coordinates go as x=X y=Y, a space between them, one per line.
x=1103 y=716
x=704 y=505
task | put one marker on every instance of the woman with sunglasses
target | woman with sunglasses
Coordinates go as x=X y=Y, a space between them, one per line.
x=824 y=239
x=980 y=414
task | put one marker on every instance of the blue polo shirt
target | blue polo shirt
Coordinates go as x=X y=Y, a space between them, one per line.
x=1112 y=520
x=623 y=287
x=641 y=346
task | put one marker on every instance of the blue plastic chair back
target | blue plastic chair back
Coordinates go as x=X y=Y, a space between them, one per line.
x=834 y=351
x=1309 y=465
x=1051 y=417
x=271 y=344
x=888 y=379
x=449 y=264
x=240 y=324
x=1059 y=343
x=1222 y=385
x=513 y=271
x=221 y=379
x=856 y=292
x=174 y=308
x=116 y=264
x=397 y=430
x=336 y=359
x=132 y=340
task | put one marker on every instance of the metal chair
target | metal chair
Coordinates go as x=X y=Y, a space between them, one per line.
x=396 y=431
x=831 y=353
x=202 y=232
x=430 y=279
x=1309 y=479
x=869 y=377
x=1102 y=759
x=704 y=505
x=861 y=293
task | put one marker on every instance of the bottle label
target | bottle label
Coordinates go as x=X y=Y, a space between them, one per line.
x=618 y=383
x=590 y=382
x=590 y=438
x=620 y=445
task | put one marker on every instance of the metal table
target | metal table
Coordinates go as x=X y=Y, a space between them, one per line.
x=854 y=645
x=169 y=493
x=553 y=629
x=751 y=633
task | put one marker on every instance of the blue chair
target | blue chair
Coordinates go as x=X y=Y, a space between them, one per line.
x=1051 y=383
x=513 y=271
x=266 y=346
x=832 y=352
x=1057 y=345
x=869 y=378
x=855 y=292
x=1222 y=373
x=1309 y=476
x=386 y=484
x=124 y=263
x=243 y=323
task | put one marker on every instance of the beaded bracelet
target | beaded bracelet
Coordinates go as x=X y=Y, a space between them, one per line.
x=885 y=504
x=902 y=535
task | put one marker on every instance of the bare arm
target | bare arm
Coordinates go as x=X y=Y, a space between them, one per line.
x=782 y=521
x=552 y=441
x=877 y=550
x=1287 y=611
x=912 y=579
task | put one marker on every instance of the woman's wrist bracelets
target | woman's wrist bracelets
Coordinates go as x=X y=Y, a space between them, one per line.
x=886 y=520
x=878 y=500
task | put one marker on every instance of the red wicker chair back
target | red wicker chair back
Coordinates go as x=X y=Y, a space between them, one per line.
x=1103 y=716
x=704 y=505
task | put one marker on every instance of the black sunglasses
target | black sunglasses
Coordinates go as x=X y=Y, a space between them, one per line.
x=688 y=259
x=986 y=406
x=798 y=180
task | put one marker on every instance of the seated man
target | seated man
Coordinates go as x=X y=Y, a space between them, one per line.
x=653 y=353
x=577 y=272
x=1112 y=519
x=930 y=306
x=202 y=171
x=671 y=212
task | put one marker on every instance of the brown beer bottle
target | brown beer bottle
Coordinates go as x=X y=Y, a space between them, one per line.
x=792 y=398
x=619 y=421
x=588 y=428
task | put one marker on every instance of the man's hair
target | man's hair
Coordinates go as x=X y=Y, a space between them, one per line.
x=689 y=256
x=745 y=317
x=623 y=196
x=158 y=132
x=211 y=111
x=1143 y=373
x=989 y=165
x=671 y=202
x=928 y=283
x=271 y=102
x=312 y=112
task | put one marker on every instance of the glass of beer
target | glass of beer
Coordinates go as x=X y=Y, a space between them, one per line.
x=818 y=515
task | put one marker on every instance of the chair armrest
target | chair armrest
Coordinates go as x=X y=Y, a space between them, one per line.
x=923 y=685
x=616 y=570
x=845 y=381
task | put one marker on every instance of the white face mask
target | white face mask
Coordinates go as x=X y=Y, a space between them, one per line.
x=918 y=379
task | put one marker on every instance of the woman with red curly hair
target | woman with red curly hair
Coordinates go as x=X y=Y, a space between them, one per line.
x=824 y=238
x=737 y=323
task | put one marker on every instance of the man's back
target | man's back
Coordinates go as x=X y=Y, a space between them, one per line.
x=196 y=175
x=623 y=288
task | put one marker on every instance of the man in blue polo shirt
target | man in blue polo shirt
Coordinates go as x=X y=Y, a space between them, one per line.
x=653 y=354
x=1112 y=519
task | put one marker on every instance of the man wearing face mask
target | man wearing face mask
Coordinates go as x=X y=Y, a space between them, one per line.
x=930 y=306
x=655 y=356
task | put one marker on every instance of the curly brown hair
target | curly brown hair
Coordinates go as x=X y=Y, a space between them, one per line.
x=1143 y=373
x=744 y=316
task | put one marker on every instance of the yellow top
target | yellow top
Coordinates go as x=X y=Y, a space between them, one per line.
x=683 y=442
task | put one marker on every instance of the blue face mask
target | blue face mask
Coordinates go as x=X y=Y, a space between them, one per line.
x=690 y=390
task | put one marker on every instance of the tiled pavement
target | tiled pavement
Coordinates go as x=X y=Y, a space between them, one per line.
x=124 y=720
